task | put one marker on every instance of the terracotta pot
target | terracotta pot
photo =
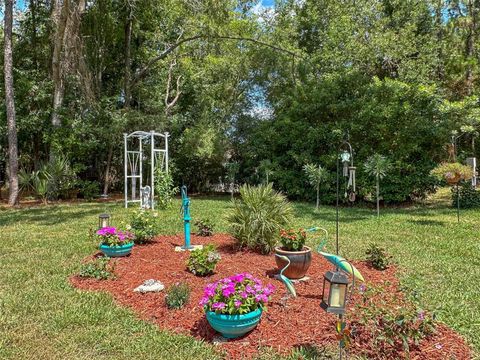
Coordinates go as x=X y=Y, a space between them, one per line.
x=454 y=180
x=299 y=262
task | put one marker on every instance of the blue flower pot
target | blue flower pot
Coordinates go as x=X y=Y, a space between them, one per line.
x=234 y=326
x=116 y=251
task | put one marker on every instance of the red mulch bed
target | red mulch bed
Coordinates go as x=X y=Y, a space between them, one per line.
x=301 y=323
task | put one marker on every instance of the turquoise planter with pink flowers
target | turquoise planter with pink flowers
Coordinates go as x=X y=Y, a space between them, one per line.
x=116 y=251
x=234 y=326
x=233 y=305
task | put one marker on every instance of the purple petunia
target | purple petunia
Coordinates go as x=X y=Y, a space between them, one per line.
x=237 y=303
x=228 y=290
x=204 y=301
x=421 y=315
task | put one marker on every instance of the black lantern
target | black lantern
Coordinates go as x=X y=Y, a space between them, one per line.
x=334 y=295
x=103 y=220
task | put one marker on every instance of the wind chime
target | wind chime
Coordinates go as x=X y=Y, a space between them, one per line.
x=349 y=173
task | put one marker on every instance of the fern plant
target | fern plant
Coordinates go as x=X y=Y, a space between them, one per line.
x=258 y=217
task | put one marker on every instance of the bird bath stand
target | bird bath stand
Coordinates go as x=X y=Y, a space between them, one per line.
x=185 y=210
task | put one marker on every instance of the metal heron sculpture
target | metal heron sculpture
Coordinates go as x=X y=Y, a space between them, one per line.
x=286 y=281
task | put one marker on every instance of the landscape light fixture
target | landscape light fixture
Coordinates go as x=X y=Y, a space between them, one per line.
x=334 y=293
x=103 y=221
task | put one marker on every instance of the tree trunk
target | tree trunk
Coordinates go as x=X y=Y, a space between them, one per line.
x=10 y=106
x=318 y=196
x=470 y=46
x=107 y=170
x=60 y=17
x=128 y=60
x=378 y=196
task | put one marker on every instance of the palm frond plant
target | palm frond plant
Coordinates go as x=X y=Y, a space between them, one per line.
x=377 y=166
x=266 y=167
x=316 y=175
x=258 y=216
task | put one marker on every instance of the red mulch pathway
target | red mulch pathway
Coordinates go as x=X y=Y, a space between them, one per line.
x=301 y=323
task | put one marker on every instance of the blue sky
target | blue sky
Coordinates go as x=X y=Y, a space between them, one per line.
x=268 y=2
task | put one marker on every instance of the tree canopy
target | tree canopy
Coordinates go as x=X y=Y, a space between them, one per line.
x=235 y=81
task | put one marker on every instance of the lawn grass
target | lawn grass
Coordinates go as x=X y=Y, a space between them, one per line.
x=43 y=317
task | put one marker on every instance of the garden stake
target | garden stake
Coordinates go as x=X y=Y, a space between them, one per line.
x=186 y=218
x=458 y=204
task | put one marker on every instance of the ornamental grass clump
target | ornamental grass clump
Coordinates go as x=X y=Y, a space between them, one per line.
x=202 y=262
x=236 y=295
x=111 y=236
x=258 y=216
x=293 y=240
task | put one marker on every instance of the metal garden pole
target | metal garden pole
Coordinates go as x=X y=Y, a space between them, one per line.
x=125 y=161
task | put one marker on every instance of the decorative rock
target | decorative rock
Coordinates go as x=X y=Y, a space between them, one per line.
x=194 y=247
x=150 y=285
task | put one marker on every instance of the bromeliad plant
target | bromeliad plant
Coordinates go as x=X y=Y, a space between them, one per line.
x=111 y=236
x=236 y=295
x=202 y=262
x=293 y=240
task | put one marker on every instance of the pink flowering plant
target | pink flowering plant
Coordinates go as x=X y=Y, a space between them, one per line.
x=236 y=295
x=111 y=236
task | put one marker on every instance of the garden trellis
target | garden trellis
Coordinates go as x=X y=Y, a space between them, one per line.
x=134 y=161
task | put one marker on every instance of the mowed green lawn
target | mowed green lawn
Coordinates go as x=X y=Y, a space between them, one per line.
x=43 y=317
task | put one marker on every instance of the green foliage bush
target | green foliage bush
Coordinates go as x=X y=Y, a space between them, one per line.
x=469 y=196
x=390 y=116
x=177 y=296
x=143 y=225
x=258 y=217
x=101 y=268
x=205 y=227
x=202 y=262
x=164 y=189
x=390 y=327
x=377 y=257
x=88 y=189
x=293 y=240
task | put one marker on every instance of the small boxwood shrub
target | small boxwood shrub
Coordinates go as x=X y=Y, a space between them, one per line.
x=177 y=296
x=202 y=262
x=377 y=257
x=205 y=227
x=258 y=217
x=100 y=268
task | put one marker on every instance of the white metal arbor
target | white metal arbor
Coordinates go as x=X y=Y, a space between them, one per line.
x=134 y=161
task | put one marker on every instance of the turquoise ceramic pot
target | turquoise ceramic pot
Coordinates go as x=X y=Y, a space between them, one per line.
x=116 y=251
x=233 y=326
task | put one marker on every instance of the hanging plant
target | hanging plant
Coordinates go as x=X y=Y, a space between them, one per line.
x=452 y=173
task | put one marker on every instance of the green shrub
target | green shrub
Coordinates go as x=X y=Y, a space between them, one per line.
x=143 y=225
x=88 y=189
x=377 y=257
x=258 y=216
x=100 y=268
x=389 y=327
x=177 y=296
x=469 y=197
x=293 y=240
x=205 y=227
x=164 y=189
x=202 y=262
